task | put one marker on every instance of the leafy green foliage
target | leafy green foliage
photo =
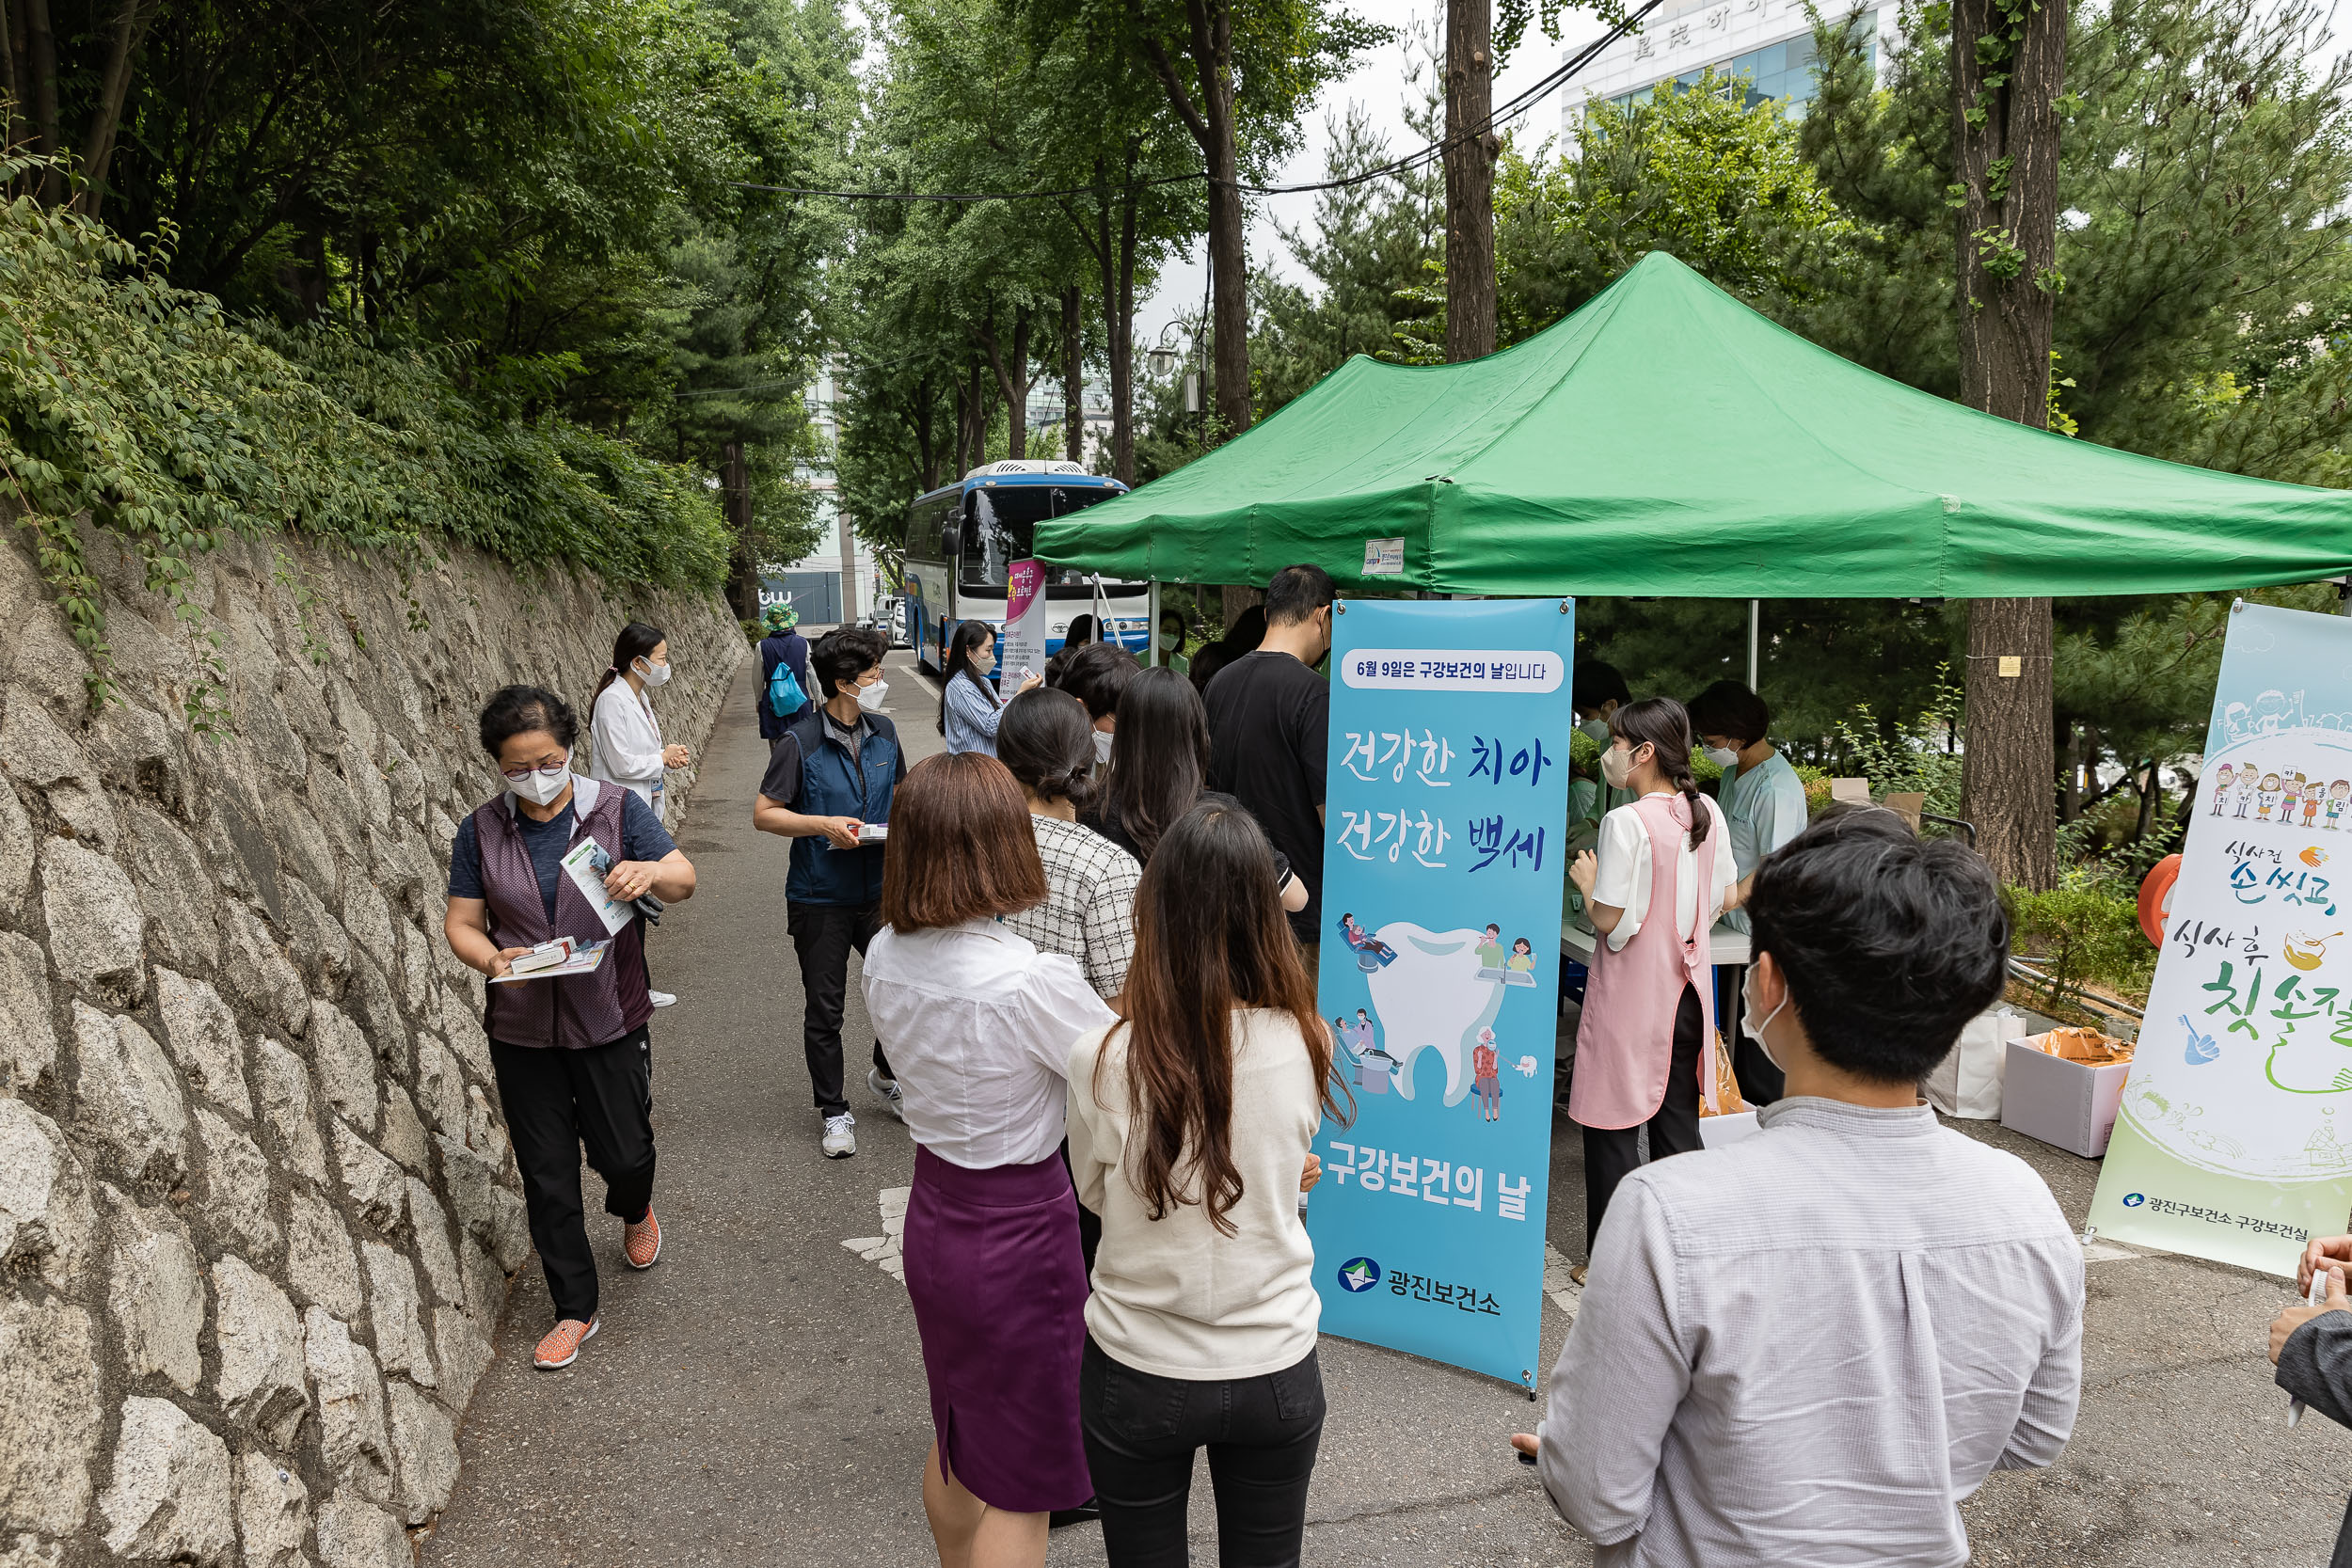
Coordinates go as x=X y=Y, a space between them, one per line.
x=2084 y=930
x=146 y=408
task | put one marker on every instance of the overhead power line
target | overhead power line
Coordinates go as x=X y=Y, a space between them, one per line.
x=1411 y=162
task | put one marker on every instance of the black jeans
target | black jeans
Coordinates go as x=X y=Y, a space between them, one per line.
x=822 y=935
x=1141 y=1431
x=1612 y=1154
x=556 y=1102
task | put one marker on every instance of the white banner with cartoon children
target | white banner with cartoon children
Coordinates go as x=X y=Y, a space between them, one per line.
x=2234 y=1138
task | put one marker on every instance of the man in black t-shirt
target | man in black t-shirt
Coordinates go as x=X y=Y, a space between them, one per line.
x=1269 y=722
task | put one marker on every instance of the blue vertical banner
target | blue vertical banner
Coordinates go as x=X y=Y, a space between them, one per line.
x=1446 y=807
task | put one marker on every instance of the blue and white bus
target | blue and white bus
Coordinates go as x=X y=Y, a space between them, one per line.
x=962 y=538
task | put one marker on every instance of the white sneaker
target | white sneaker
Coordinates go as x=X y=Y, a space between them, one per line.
x=886 y=1090
x=840 y=1136
x=661 y=998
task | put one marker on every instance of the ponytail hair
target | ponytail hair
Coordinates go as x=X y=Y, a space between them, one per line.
x=1664 y=726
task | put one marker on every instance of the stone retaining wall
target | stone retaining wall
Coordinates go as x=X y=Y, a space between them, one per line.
x=258 y=1209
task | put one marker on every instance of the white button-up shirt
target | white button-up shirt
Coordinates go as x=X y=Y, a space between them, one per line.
x=1622 y=877
x=979 y=1024
x=1807 y=1347
x=628 y=742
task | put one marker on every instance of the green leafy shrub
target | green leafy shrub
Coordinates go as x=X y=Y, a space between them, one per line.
x=2086 y=930
x=145 y=409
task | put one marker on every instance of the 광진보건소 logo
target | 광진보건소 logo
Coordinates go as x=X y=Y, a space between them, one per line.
x=1359 y=1275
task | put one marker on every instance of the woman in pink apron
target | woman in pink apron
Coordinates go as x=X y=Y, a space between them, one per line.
x=1646 y=1042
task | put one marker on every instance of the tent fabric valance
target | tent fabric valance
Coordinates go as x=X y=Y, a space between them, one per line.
x=1667 y=440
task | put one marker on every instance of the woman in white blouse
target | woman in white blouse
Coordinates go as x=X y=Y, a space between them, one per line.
x=991 y=1230
x=626 y=746
x=628 y=737
x=1645 y=1041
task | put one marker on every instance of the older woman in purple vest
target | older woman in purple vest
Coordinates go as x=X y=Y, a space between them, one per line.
x=556 y=855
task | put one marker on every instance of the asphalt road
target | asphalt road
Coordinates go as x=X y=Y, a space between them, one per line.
x=758 y=1397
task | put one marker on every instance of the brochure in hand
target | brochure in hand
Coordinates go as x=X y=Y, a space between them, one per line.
x=584 y=959
x=586 y=864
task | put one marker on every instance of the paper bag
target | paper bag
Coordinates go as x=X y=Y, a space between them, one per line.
x=1967 y=1082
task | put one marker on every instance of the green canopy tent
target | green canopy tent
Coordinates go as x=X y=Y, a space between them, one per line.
x=1667 y=440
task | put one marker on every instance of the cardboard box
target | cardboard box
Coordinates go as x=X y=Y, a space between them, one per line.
x=1729 y=1128
x=2070 y=1105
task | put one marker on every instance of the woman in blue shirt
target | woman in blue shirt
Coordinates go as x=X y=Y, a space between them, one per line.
x=969 y=707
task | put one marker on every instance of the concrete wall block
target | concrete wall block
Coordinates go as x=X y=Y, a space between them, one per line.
x=316 y=940
x=400 y=1345
x=404 y=1135
x=464 y=1351
x=425 y=1451
x=28 y=1029
x=30 y=1551
x=284 y=1082
x=48 y=1217
x=256 y=972
x=17 y=846
x=303 y=849
x=154 y=1292
x=49 y=1408
x=236 y=1192
x=490 y=1213
x=320 y=1268
x=175 y=886
x=272 y=1511
x=355 y=1533
x=428 y=1222
x=440 y=1084
x=263 y=1381
x=346 y=1068
x=354 y=1443
x=170 y=1497
x=202 y=1034
x=140 y=752
x=95 y=923
x=368 y=917
x=127 y=1098
x=373 y=1181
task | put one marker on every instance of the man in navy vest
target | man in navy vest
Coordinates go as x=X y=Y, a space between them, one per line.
x=828 y=787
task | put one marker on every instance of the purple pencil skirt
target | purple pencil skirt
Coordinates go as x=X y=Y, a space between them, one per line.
x=999 y=1291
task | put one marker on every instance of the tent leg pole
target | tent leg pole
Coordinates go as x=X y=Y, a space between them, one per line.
x=1756 y=619
x=1153 y=599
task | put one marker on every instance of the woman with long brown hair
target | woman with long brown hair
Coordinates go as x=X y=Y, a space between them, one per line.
x=992 y=1234
x=1190 y=1121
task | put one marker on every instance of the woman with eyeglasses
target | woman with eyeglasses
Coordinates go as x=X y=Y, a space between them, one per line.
x=571 y=1052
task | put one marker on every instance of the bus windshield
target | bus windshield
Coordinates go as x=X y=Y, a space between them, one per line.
x=1002 y=528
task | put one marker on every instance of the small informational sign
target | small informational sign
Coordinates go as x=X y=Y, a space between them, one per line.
x=1447 y=803
x=1025 y=622
x=1384 y=557
x=2233 y=1141
x=2012 y=666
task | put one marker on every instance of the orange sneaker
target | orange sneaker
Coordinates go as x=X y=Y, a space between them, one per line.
x=641 y=1243
x=560 y=1348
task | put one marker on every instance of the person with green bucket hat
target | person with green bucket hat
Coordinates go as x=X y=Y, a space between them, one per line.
x=785 y=645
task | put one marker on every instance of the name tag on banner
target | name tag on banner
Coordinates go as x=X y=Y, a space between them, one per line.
x=1446 y=808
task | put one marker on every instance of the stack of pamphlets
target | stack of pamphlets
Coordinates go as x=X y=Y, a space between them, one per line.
x=552 y=961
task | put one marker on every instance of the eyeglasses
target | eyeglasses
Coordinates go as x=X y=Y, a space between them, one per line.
x=517 y=775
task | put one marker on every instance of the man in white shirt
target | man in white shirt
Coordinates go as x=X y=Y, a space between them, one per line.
x=1808 y=1347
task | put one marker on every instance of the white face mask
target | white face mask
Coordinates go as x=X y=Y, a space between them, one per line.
x=1722 y=756
x=870 y=697
x=1598 y=728
x=1102 y=746
x=1756 y=1026
x=542 y=784
x=653 y=674
x=1616 y=767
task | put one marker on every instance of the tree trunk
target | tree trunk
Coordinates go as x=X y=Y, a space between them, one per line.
x=2150 y=801
x=11 y=69
x=734 y=499
x=2071 y=798
x=1238 y=599
x=963 y=424
x=40 y=49
x=1074 y=416
x=1013 y=375
x=979 y=405
x=1123 y=345
x=1470 y=150
x=926 y=445
x=1209 y=45
x=114 y=89
x=2006 y=79
x=2005 y=771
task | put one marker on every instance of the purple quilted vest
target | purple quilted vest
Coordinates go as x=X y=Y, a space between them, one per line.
x=578 y=1011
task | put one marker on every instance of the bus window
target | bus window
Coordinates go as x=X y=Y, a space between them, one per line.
x=1001 y=529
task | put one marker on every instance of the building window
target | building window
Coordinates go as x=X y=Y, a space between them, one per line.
x=1784 y=72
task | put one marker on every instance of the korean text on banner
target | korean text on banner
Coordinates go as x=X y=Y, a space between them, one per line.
x=1025 y=622
x=2234 y=1138
x=1447 y=801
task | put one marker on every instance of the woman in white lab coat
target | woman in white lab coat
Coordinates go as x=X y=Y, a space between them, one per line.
x=628 y=748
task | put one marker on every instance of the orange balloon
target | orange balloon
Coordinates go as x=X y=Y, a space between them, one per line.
x=2155 y=897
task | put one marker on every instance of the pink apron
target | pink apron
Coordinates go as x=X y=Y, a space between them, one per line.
x=1625 y=1037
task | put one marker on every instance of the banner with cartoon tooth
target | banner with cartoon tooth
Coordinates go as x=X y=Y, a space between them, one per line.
x=2234 y=1138
x=1447 y=800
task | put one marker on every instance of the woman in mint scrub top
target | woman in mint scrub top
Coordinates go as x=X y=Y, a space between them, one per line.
x=1763 y=802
